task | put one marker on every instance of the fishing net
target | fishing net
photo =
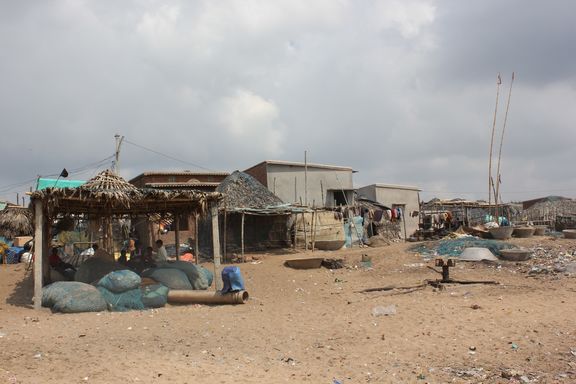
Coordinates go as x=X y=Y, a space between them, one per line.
x=454 y=247
x=155 y=295
x=72 y=297
x=199 y=278
x=124 y=301
x=170 y=277
x=120 y=281
x=95 y=268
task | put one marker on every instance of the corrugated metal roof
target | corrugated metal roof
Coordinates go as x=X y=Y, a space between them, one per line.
x=188 y=185
x=397 y=186
x=182 y=173
x=309 y=165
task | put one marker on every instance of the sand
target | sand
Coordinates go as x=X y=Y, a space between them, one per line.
x=313 y=326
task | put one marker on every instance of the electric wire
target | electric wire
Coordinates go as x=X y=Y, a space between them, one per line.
x=165 y=155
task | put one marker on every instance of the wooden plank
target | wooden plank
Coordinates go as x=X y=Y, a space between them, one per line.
x=216 y=245
x=38 y=253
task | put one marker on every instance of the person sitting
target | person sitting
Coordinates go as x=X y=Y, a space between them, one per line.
x=123 y=259
x=161 y=254
x=65 y=269
x=101 y=253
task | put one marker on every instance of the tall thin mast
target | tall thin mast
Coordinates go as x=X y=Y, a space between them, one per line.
x=490 y=180
x=496 y=198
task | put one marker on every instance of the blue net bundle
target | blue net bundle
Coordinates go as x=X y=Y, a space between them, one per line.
x=120 y=281
x=154 y=295
x=198 y=277
x=95 y=268
x=454 y=247
x=172 y=278
x=72 y=297
x=121 y=290
x=12 y=255
x=123 y=301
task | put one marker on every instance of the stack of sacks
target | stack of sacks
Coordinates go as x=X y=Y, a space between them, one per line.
x=180 y=275
x=121 y=290
x=72 y=297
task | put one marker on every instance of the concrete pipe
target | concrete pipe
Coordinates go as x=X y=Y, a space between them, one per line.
x=206 y=297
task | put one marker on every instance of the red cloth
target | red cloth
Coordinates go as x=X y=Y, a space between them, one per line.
x=54 y=260
x=187 y=257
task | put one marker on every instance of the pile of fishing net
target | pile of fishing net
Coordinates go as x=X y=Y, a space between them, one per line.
x=73 y=297
x=95 y=268
x=180 y=275
x=117 y=291
x=454 y=247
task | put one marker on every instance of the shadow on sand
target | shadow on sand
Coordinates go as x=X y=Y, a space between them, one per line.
x=23 y=292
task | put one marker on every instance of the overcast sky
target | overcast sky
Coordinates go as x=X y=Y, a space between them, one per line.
x=402 y=91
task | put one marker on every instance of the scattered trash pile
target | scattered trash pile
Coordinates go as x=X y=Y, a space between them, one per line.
x=454 y=247
x=106 y=285
x=551 y=260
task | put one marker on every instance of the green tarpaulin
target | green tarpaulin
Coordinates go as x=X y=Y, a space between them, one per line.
x=58 y=183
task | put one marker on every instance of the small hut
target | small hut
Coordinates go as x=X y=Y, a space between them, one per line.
x=253 y=217
x=105 y=197
x=15 y=221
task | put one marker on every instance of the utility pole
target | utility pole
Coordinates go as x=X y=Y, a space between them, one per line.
x=117 y=152
x=305 y=178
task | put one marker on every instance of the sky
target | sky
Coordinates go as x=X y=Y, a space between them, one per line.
x=402 y=91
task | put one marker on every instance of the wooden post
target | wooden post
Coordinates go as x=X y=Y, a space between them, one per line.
x=404 y=221
x=242 y=236
x=177 y=235
x=305 y=234
x=313 y=229
x=216 y=245
x=225 y=235
x=295 y=229
x=38 y=252
x=196 y=247
x=306 y=181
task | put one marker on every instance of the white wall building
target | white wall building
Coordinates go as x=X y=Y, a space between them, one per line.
x=315 y=185
x=396 y=196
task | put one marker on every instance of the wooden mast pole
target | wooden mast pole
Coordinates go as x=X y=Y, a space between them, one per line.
x=490 y=180
x=497 y=197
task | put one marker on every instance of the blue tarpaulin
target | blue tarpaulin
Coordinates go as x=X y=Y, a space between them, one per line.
x=57 y=183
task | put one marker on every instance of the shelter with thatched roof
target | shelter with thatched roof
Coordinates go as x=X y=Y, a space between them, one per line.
x=251 y=217
x=104 y=197
x=15 y=221
x=163 y=228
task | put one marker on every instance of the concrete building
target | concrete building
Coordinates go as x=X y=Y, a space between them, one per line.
x=315 y=185
x=396 y=196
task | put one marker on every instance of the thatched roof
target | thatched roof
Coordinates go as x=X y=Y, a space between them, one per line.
x=16 y=221
x=243 y=191
x=109 y=194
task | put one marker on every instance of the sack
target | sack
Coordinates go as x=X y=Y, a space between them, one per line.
x=170 y=277
x=232 y=280
x=120 y=281
x=197 y=276
x=72 y=297
x=124 y=301
x=154 y=296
